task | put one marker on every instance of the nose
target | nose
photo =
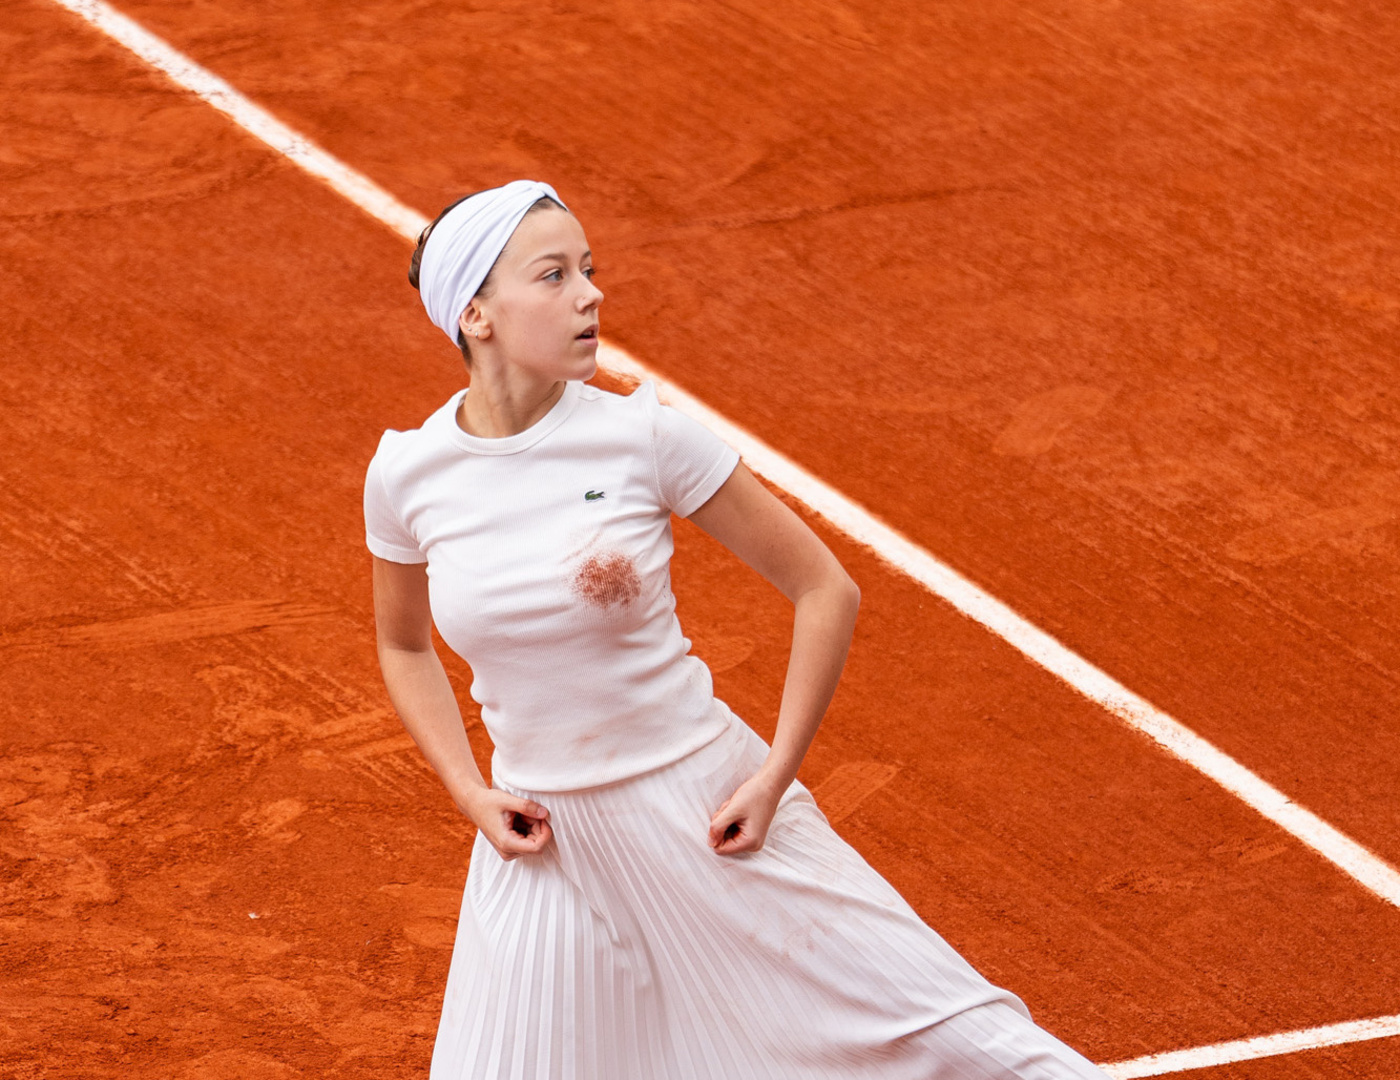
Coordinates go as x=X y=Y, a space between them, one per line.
x=591 y=296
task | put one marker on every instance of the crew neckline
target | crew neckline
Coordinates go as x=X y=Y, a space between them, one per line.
x=521 y=440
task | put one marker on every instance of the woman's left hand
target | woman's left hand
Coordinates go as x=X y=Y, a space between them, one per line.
x=741 y=824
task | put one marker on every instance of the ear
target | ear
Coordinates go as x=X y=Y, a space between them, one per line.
x=473 y=323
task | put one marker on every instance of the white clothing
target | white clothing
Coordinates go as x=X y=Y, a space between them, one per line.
x=549 y=571
x=629 y=950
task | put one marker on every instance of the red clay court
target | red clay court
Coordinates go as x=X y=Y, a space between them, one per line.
x=1094 y=302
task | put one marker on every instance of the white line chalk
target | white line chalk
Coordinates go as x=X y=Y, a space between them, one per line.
x=1287 y=1042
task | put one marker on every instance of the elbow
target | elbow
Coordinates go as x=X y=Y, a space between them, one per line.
x=848 y=590
x=837 y=586
x=831 y=587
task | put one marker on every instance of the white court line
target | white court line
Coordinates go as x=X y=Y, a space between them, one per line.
x=1288 y=1042
x=858 y=523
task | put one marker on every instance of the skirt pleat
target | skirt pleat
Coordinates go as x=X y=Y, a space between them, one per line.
x=629 y=950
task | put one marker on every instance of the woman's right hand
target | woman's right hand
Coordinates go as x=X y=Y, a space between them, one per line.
x=514 y=826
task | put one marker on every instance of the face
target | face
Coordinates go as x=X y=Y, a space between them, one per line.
x=542 y=313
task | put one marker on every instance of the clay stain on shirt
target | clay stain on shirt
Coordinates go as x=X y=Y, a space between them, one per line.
x=608 y=578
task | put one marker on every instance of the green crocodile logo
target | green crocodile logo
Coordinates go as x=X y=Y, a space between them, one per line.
x=593 y=496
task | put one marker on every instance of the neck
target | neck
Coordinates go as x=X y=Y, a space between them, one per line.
x=505 y=400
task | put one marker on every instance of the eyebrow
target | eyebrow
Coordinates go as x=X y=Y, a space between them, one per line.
x=557 y=257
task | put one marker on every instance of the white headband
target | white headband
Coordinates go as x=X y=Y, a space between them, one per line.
x=465 y=244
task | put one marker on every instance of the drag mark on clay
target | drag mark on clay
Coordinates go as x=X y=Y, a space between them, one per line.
x=1038 y=421
x=608 y=578
x=170 y=627
x=1281 y=541
x=849 y=785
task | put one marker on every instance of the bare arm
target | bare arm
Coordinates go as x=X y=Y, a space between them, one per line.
x=759 y=528
x=420 y=692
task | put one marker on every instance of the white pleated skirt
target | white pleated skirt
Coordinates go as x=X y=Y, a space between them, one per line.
x=629 y=950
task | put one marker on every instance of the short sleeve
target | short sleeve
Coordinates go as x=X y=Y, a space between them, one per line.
x=692 y=462
x=385 y=534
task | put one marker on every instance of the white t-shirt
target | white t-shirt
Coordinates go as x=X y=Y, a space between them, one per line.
x=549 y=572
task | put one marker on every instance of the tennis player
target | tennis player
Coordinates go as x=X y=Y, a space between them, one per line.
x=651 y=894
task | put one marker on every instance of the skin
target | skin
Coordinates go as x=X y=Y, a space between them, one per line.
x=525 y=346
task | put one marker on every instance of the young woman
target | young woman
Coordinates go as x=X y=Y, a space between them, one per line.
x=651 y=895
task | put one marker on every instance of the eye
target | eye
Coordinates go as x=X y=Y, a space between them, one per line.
x=589 y=273
x=554 y=275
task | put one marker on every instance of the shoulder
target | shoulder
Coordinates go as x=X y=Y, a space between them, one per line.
x=663 y=424
x=625 y=417
x=641 y=401
x=401 y=451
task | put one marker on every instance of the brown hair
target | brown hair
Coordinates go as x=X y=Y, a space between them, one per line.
x=487 y=283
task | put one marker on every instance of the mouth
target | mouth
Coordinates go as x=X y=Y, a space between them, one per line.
x=591 y=334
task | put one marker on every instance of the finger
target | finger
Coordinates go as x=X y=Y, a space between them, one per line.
x=739 y=844
x=513 y=845
x=725 y=826
x=529 y=842
x=512 y=824
x=526 y=807
x=718 y=824
x=522 y=824
x=540 y=835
